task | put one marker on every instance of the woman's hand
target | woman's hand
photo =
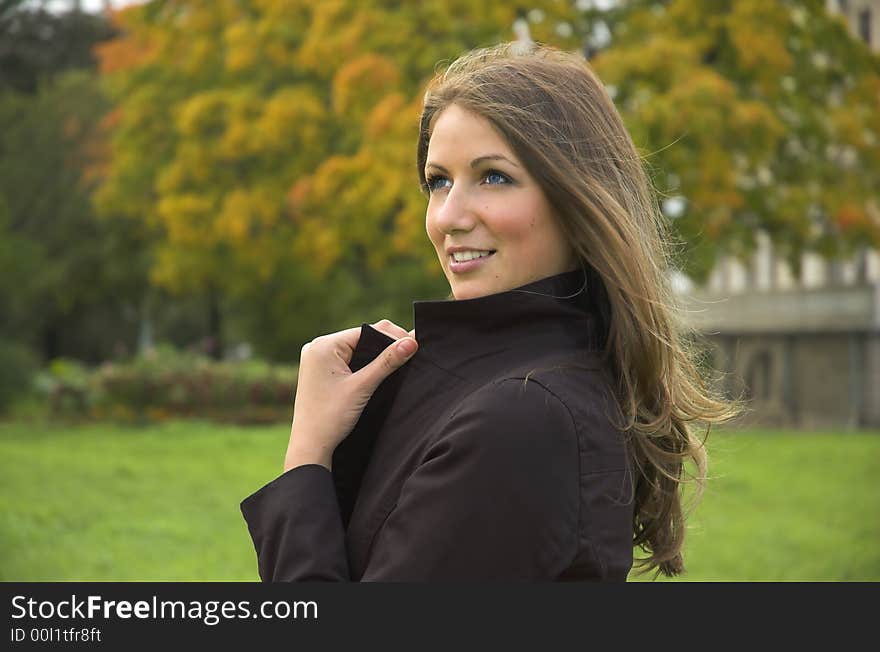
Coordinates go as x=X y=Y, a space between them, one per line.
x=330 y=398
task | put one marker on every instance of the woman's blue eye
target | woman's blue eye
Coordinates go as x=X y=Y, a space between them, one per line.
x=435 y=183
x=494 y=174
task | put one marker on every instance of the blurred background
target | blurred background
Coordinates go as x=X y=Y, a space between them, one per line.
x=190 y=190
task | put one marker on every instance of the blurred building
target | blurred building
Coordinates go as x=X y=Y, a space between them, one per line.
x=802 y=352
x=863 y=17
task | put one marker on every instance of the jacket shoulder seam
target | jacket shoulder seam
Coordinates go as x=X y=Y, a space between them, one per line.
x=574 y=429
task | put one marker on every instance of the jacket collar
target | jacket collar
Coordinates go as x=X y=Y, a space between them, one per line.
x=557 y=313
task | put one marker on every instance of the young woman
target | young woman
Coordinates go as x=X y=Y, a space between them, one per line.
x=537 y=426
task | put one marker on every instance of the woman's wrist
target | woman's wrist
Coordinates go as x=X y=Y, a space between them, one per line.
x=299 y=456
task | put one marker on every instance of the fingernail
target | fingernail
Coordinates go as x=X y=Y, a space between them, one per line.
x=407 y=346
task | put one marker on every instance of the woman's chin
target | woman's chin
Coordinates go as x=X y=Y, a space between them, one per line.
x=474 y=289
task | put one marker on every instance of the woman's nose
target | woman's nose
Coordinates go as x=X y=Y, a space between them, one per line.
x=455 y=213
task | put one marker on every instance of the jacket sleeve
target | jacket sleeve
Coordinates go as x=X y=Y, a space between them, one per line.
x=296 y=527
x=495 y=498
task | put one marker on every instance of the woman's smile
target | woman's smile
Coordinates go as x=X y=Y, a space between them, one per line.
x=467 y=260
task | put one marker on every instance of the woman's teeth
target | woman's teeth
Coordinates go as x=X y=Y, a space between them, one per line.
x=462 y=256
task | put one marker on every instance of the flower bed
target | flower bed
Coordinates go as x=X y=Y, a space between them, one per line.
x=168 y=385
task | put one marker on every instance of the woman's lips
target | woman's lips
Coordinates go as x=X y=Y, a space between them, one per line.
x=468 y=265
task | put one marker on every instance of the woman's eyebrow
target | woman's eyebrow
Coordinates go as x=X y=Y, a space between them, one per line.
x=475 y=162
x=491 y=157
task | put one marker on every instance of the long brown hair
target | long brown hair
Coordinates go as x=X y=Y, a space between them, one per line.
x=556 y=115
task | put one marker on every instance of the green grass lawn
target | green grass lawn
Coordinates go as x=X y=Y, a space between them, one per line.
x=103 y=502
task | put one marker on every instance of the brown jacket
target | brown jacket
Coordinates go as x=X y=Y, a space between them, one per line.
x=490 y=455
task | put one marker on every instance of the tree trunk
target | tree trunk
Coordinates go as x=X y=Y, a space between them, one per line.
x=50 y=343
x=215 y=324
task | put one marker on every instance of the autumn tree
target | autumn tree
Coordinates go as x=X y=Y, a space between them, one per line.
x=752 y=116
x=272 y=142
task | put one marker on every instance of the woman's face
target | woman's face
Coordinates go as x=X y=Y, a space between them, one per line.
x=484 y=203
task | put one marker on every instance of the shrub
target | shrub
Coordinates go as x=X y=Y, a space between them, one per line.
x=167 y=383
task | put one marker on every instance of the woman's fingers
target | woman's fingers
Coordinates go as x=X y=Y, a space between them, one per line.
x=392 y=358
x=391 y=329
x=343 y=342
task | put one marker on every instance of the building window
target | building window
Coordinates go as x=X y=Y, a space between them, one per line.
x=865 y=25
x=843 y=6
x=758 y=375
